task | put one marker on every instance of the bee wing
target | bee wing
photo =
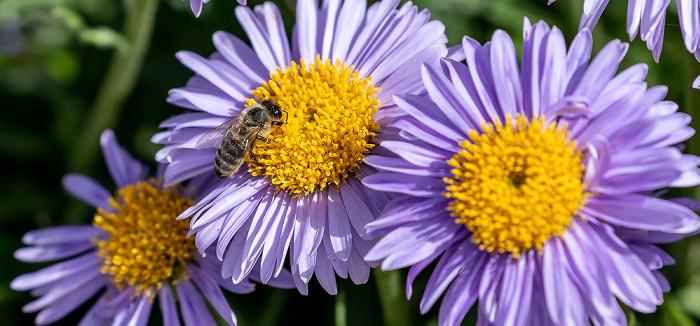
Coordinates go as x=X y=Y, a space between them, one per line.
x=213 y=137
x=249 y=137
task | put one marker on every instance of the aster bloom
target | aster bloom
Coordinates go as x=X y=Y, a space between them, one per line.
x=533 y=184
x=136 y=250
x=648 y=18
x=335 y=82
x=197 y=5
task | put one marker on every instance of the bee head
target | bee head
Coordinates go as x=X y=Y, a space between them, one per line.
x=275 y=109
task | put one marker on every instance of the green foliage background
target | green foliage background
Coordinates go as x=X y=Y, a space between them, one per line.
x=70 y=68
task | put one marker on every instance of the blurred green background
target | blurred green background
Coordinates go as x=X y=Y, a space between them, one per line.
x=70 y=68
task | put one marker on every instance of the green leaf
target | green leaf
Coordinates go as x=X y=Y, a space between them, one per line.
x=69 y=17
x=104 y=37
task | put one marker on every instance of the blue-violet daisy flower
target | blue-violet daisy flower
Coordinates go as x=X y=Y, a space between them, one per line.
x=335 y=83
x=136 y=250
x=534 y=181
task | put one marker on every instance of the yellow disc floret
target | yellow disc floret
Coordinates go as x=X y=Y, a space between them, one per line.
x=515 y=186
x=145 y=245
x=328 y=125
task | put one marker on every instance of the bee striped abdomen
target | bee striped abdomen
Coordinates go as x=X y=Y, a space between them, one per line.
x=229 y=157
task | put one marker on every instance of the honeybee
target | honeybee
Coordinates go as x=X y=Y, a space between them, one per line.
x=238 y=135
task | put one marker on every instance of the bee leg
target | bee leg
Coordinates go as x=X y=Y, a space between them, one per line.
x=262 y=139
x=278 y=123
x=253 y=159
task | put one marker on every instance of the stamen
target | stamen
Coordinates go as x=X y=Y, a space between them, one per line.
x=329 y=126
x=516 y=186
x=145 y=245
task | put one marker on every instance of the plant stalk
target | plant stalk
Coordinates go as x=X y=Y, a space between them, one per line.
x=118 y=83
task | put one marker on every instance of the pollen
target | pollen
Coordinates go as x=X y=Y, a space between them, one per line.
x=145 y=245
x=516 y=186
x=328 y=127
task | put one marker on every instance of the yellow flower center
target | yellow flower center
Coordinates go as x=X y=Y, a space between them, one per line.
x=517 y=185
x=328 y=125
x=145 y=245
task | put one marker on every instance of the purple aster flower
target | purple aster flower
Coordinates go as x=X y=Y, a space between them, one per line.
x=648 y=18
x=136 y=250
x=301 y=191
x=532 y=183
x=197 y=5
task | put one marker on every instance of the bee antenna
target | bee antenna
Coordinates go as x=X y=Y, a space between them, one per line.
x=286 y=115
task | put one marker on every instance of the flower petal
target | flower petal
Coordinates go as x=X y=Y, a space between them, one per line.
x=415 y=186
x=55 y=272
x=643 y=213
x=125 y=170
x=563 y=299
x=167 y=306
x=210 y=289
x=194 y=310
x=87 y=190
x=339 y=226
x=462 y=293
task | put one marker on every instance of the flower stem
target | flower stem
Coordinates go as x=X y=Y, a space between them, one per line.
x=118 y=82
x=341 y=318
x=391 y=295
